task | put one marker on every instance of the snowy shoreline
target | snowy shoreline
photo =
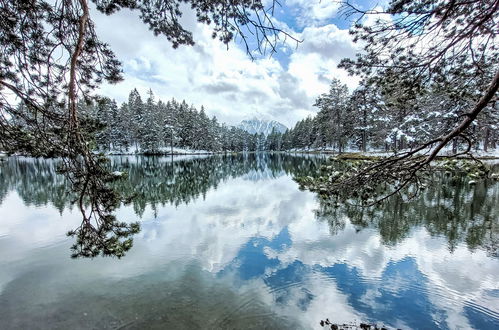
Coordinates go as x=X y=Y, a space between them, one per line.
x=165 y=151
x=493 y=154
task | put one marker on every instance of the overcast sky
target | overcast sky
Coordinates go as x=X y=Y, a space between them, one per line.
x=227 y=82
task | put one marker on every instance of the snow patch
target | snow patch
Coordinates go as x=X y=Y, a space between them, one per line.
x=258 y=126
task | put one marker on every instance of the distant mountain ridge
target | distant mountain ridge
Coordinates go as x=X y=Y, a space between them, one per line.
x=258 y=126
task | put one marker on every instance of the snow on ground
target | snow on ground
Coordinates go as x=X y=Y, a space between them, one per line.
x=490 y=153
x=445 y=152
x=163 y=151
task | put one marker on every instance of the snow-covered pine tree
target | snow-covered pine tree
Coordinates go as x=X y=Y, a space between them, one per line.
x=136 y=108
x=150 y=127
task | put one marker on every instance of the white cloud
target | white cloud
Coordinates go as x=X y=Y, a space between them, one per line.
x=314 y=12
x=330 y=42
x=315 y=62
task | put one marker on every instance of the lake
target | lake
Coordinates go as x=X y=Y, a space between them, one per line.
x=230 y=242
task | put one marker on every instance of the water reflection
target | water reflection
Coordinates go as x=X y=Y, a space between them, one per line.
x=154 y=181
x=241 y=247
x=157 y=181
x=450 y=207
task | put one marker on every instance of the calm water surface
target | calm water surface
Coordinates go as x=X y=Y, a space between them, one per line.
x=232 y=243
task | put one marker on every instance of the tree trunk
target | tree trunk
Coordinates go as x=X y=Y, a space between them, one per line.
x=486 y=139
x=364 y=132
x=454 y=146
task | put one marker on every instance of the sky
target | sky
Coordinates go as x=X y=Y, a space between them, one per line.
x=229 y=84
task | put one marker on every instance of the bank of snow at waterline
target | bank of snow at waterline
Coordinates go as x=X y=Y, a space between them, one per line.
x=160 y=151
x=494 y=153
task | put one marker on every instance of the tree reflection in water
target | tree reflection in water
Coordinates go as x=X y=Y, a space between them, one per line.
x=149 y=181
x=450 y=207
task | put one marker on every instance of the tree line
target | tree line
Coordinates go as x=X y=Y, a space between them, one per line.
x=154 y=127
x=370 y=119
x=365 y=119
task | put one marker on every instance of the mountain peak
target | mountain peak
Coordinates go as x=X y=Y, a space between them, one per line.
x=264 y=126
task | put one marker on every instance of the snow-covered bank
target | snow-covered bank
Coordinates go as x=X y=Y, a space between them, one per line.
x=166 y=151
x=491 y=154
